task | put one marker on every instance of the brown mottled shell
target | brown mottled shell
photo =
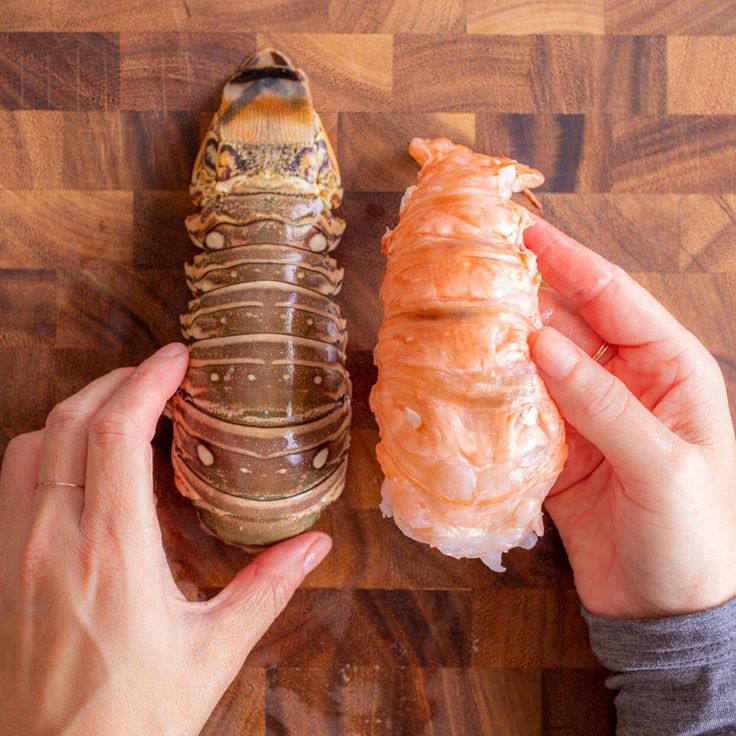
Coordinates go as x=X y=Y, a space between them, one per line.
x=261 y=421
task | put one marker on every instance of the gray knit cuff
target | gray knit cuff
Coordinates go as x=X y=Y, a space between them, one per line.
x=695 y=639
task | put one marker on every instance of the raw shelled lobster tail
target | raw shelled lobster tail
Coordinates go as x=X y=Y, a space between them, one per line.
x=261 y=421
x=470 y=440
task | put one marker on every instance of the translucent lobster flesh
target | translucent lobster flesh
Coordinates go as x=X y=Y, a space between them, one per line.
x=470 y=440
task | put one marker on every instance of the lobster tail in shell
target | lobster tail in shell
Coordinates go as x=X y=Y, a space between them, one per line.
x=261 y=421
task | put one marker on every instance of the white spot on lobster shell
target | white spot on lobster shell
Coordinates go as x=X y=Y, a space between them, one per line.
x=251 y=377
x=204 y=455
x=215 y=240
x=245 y=471
x=214 y=377
x=321 y=458
x=317 y=242
x=318 y=380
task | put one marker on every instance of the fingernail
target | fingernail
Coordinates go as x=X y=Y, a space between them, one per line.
x=553 y=353
x=316 y=553
x=173 y=349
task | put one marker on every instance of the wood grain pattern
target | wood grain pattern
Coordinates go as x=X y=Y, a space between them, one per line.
x=700 y=75
x=626 y=105
x=670 y=16
x=521 y=17
x=384 y=16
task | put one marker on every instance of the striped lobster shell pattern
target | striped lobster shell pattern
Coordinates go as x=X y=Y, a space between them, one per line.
x=261 y=421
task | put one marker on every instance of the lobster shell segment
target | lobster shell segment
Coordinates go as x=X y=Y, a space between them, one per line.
x=262 y=418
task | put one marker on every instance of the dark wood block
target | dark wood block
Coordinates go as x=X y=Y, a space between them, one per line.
x=507 y=628
x=27 y=368
x=521 y=628
x=65 y=229
x=179 y=71
x=543 y=566
x=254 y=15
x=161 y=239
x=576 y=703
x=463 y=73
x=130 y=313
x=413 y=628
x=27 y=299
x=373 y=147
x=59 y=71
x=676 y=153
x=241 y=710
x=575 y=74
x=569 y=149
x=359 y=253
x=670 y=16
x=381 y=701
x=364 y=478
x=129 y=150
x=370 y=551
x=363 y=375
x=622 y=229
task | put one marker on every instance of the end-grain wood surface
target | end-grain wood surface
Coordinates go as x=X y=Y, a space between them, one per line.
x=629 y=108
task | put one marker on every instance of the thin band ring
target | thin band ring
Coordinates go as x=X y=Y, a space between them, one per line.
x=59 y=483
x=602 y=350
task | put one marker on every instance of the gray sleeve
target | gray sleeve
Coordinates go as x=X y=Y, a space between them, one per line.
x=675 y=676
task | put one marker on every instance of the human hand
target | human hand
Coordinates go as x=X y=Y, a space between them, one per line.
x=95 y=636
x=646 y=504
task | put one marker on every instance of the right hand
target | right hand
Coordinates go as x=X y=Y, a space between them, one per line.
x=646 y=504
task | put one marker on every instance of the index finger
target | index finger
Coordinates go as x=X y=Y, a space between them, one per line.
x=619 y=309
x=119 y=482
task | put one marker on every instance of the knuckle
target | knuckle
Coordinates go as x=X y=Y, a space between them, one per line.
x=606 y=399
x=34 y=561
x=274 y=591
x=713 y=370
x=20 y=445
x=122 y=372
x=113 y=427
x=69 y=414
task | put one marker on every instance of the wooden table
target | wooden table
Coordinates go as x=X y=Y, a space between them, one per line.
x=626 y=105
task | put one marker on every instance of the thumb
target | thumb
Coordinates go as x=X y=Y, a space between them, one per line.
x=249 y=604
x=601 y=407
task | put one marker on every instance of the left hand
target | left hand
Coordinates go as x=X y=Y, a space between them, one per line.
x=95 y=636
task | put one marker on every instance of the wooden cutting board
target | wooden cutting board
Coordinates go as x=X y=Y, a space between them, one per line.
x=627 y=106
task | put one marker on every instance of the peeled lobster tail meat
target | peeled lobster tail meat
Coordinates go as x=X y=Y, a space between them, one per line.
x=470 y=440
x=261 y=421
